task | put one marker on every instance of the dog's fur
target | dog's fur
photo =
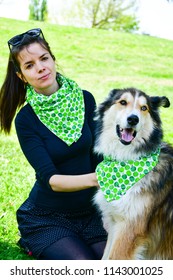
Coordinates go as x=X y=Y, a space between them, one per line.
x=140 y=223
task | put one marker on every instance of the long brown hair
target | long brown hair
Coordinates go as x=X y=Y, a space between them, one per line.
x=13 y=90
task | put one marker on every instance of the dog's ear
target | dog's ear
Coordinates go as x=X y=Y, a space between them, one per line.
x=158 y=101
x=105 y=105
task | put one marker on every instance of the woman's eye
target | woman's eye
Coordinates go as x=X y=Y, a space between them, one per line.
x=29 y=66
x=44 y=58
x=144 y=108
x=123 y=102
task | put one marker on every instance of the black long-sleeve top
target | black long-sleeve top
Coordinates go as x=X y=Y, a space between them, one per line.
x=49 y=155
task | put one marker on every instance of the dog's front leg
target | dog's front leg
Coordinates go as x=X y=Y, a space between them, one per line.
x=115 y=248
x=109 y=244
x=125 y=241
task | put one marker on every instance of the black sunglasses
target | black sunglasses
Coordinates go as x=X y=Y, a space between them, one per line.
x=18 y=39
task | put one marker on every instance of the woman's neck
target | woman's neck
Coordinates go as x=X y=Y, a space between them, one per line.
x=48 y=91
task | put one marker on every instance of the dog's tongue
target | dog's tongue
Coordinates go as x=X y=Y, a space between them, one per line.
x=127 y=135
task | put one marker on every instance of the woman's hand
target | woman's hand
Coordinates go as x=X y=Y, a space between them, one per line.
x=72 y=183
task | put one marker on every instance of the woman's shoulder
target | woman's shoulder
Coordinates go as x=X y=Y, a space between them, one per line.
x=88 y=97
x=25 y=114
x=25 y=109
x=87 y=94
x=90 y=103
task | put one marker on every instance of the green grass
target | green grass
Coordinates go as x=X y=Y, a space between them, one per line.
x=98 y=61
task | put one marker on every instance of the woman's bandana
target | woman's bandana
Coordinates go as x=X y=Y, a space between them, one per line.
x=61 y=112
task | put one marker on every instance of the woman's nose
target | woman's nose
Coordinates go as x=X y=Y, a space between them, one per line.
x=40 y=67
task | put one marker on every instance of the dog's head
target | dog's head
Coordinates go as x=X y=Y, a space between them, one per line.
x=129 y=120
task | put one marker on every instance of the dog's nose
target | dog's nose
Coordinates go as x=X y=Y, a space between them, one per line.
x=133 y=120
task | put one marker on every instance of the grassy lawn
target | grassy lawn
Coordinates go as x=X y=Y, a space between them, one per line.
x=98 y=61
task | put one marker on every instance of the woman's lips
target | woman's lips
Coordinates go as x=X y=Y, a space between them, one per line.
x=45 y=77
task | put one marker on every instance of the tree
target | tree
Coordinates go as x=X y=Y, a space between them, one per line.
x=38 y=10
x=109 y=14
x=44 y=10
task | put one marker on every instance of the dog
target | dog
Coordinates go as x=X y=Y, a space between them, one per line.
x=135 y=177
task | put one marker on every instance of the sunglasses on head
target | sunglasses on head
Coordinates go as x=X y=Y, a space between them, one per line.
x=18 y=39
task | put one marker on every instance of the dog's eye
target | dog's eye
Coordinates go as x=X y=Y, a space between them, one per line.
x=123 y=102
x=144 y=108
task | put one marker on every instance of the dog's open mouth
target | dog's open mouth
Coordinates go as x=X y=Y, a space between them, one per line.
x=126 y=135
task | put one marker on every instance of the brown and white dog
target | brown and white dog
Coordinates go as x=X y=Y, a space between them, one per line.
x=140 y=222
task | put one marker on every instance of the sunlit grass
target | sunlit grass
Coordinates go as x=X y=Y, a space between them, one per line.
x=98 y=61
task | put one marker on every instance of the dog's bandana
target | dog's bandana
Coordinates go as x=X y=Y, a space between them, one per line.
x=116 y=178
x=61 y=112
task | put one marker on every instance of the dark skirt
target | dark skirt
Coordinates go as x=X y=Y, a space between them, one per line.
x=39 y=228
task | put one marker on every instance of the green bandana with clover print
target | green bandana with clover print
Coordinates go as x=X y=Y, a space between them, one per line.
x=61 y=112
x=116 y=178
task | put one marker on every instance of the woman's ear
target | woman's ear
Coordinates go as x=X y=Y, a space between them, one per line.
x=21 y=77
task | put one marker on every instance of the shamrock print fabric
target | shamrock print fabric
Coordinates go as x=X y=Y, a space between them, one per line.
x=116 y=178
x=61 y=112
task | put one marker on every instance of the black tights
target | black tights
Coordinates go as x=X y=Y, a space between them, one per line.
x=73 y=248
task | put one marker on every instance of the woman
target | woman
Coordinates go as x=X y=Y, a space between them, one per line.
x=55 y=129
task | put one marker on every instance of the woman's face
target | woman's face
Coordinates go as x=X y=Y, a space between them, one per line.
x=38 y=69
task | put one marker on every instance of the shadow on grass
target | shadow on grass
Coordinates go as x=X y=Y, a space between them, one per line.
x=12 y=252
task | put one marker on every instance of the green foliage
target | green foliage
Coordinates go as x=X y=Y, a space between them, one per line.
x=44 y=10
x=34 y=10
x=109 y=14
x=38 y=10
x=98 y=61
x=127 y=23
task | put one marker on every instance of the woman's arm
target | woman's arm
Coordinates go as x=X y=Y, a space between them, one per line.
x=35 y=152
x=72 y=183
x=33 y=146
